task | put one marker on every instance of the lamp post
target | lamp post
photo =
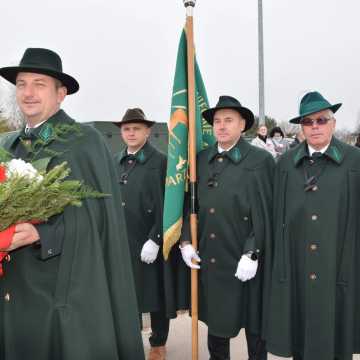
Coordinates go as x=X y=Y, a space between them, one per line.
x=261 y=64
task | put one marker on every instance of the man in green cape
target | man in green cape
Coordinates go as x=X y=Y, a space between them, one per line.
x=142 y=171
x=68 y=290
x=314 y=302
x=234 y=214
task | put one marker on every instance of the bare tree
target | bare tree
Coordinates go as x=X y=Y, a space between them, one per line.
x=8 y=106
x=269 y=122
x=357 y=126
x=288 y=128
x=345 y=135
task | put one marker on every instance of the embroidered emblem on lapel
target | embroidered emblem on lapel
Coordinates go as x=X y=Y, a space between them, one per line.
x=235 y=154
x=46 y=133
x=141 y=156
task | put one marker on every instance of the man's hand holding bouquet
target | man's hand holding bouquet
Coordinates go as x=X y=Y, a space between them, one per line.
x=30 y=195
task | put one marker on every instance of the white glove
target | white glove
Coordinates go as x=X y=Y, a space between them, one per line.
x=188 y=253
x=149 y=252
x=246 y=268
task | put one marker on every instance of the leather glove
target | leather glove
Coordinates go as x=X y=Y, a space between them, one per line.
x=246 y=268
x=149 y=252
x=188 y=253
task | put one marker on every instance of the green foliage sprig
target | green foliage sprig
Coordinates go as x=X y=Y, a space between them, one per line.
x=59 y=133
x=28 y=200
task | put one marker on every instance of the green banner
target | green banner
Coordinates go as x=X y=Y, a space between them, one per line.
x=177 y=166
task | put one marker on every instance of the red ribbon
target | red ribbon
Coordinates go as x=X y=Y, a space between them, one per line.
x=7 y=234
x=5 y=241
x=2 y=174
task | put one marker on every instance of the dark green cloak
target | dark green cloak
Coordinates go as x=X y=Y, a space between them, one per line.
x=315 y=289
x=157 y=284
x=234 y=217
x=72 y=296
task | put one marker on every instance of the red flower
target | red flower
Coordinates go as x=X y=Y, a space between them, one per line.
x=2 y=174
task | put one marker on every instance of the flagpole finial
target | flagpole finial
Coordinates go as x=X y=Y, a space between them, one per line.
x=188 y=3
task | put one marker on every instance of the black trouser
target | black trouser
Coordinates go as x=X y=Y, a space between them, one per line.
x=219 y=348
x=298 y=357
x=159 y=328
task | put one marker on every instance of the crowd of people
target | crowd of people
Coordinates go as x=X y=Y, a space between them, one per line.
x=279 y=243
x=276 y=143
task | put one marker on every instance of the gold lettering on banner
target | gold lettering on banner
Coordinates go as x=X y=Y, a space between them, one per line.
x=205 y=126
x=170 y=181
x=202 y=103
x=177 y=179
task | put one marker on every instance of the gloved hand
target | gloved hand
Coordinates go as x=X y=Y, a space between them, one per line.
x=246 y=268
x=188 y=253
x=149 y=252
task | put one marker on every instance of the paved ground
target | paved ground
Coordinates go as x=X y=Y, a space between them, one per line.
x=179 y=342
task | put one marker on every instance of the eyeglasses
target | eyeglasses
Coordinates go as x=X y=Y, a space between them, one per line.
x=322 y=120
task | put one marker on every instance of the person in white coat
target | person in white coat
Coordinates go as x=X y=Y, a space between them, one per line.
x=263 y=142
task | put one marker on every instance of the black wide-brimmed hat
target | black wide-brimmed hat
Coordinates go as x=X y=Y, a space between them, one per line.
x=311 y=103
x=135 y=115
x=228 y=102
x=41 y=61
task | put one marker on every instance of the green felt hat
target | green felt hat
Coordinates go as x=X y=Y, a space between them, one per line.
x=41 y=61
x=228 y=102
x=311 y=103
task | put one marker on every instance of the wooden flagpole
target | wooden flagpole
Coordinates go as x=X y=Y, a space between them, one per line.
x=189 y=5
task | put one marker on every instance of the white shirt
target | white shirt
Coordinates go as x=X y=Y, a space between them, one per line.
x=220 y=149
x=27 y=127
x=132 y=153
x=312 y=150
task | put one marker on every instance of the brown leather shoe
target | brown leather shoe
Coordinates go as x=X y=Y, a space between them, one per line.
x=157 y=353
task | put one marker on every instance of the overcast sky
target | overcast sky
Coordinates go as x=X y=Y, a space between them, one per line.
x=123 y=52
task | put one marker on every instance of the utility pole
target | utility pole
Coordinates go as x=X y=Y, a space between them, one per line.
x=261 y=64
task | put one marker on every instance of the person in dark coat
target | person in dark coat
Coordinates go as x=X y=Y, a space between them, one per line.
x=314 y=300
x=299 y=138
x=142 y=172
x=68 y=290
x=357 y=143
x=234 y=203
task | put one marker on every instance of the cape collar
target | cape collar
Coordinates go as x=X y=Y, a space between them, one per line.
x=141 y=156
x=335 y=152
x=46 y=130
x=235 y=154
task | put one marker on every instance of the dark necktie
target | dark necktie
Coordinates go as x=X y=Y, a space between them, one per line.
x=130 y=157
x=129 y=162
x=317 y=155
x=28 y=134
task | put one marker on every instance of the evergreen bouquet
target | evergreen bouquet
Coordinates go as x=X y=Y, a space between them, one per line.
x=29 y=193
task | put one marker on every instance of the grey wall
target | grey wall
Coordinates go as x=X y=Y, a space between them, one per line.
x=159 y=135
